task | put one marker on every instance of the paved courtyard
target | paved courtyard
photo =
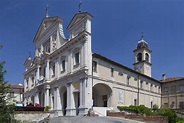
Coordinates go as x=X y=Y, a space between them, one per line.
x=81 y=119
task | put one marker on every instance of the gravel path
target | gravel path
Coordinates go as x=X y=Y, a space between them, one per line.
x=82 y=119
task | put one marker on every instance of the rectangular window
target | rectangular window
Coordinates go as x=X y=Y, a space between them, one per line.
x=173 y=89
x=112 y=72
x=135 y=102
x=77 y=58
x=181 y=105
x=181 y=87
x=94 y=66
x=63 y=66
x=165 y=90
x=46 y=46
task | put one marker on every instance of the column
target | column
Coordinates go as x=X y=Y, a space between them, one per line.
x=70 y=110
x=85 y=98
x=37 y=74
x=47 y=70
x=69 y=95
x=55 y=98
x=37 y=97
x=47 y=95
x=58 y=99
x=57 y=68
x=57 y=102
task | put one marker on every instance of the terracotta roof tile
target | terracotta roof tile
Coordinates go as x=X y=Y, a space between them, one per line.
x=172 y=79
x=16 y=87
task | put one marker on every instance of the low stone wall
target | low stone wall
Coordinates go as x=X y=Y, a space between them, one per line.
x=147 y=119
x=32 y=116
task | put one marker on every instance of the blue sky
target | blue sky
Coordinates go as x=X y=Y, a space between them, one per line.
x=116 y=29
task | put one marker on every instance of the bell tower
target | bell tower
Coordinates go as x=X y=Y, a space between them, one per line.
x=142 y=57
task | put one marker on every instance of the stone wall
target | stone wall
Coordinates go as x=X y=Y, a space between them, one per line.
x=147 y=119
x=32 y=116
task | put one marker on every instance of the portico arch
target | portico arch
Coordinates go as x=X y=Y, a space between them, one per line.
x=101 y=95
x=63 y=97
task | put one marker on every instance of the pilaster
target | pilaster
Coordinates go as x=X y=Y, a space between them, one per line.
x=36 y=98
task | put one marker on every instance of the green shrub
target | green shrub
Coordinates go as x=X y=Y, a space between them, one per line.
x=137 y=109
x=168 y=112
x=47 y=108
x=155 y=107
x=179 y=120
x=163 y=111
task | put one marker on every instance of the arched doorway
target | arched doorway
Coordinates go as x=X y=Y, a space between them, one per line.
x=63 y=97
x=101 y=95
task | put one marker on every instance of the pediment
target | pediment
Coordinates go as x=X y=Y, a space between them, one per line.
x=45 y=25
x=77 y=19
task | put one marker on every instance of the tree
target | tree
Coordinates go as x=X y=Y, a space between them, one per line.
x=6 y=112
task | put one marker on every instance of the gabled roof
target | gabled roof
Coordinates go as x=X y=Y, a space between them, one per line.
x=122 y=66
x=45 y=20
x=77 y=18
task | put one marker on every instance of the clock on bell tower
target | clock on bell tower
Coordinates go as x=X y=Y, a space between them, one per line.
x=142 y=57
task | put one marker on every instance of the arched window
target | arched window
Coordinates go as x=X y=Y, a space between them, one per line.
x=139 y=57
x=147 y=57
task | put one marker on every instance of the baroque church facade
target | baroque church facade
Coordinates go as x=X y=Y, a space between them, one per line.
x=66 y=75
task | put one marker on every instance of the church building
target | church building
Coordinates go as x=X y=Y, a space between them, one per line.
x=66 y=75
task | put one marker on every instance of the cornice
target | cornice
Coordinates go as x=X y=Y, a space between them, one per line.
x=144 y=61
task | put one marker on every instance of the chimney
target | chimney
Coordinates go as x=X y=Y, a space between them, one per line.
x=163 y=76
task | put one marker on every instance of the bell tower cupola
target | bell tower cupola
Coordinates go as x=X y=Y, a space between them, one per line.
x=142 y=57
